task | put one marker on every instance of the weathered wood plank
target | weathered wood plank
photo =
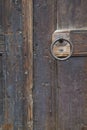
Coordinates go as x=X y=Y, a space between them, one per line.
x=71 y=14
x=72 y=106
x=16 y=106
x=28 y=60
x=2 y=94
x=14 y=81
x=72 y=74
x=44 y=67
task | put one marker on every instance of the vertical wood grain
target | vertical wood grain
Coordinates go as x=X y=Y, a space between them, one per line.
x=16 y=65
x=28 y=60
x=13 y=66
x=71 y=14
x=44 y=66
x=72 y=74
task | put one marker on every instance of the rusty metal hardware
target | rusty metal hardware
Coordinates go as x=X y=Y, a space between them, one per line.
x=69 y=43
x=61 y=49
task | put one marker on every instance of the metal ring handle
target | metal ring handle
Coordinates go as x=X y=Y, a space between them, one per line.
x=59 y=40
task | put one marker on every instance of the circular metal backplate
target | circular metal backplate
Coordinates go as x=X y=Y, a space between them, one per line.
x=61 y=49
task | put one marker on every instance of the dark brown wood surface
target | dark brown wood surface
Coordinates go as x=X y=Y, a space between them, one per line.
x=79 y=41
x=15 y=103
x=60 y=88
x=44 y=66
x=14 y=85
x=27 y=10
x=16 y=63
x=71 y=14
x=72 y=103
x=72 y=74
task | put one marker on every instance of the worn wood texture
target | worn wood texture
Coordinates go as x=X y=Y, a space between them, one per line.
x=71 y=14
x=77 y=37
x=72 y=105
x=16 y=106
x=60 y=88
x=44 y=65
x=15 y=66
x=61 y=50
x=72 y=74
x=79 y=41
x=14 y=87
x=28 y=60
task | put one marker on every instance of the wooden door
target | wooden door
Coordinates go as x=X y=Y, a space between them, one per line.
x=38 y=92
x=60 y=87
